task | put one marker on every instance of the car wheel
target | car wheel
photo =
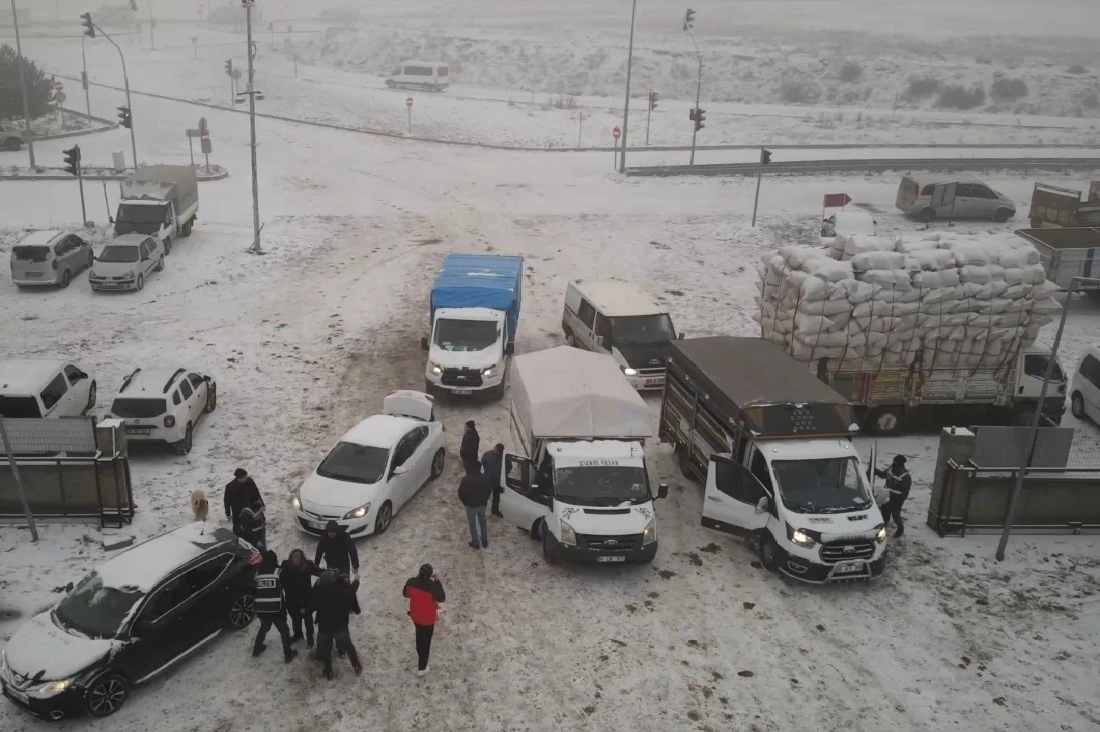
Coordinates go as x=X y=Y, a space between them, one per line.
x=1077 y=405
x=389 y=83
x=537 y=530
x=212 y=399
x=884 y=421
x=242 y=611
x=384 y=518
x=66 y=278
x=1001 y=215
x=183 y=447
x=91 y=398
x=106 y=695
x=437 y=464
x=13 y=144
x=927 y=215
x=140 y=282
x=549 y=548
x=570 y=340
x=186 y=230
x=768 y=553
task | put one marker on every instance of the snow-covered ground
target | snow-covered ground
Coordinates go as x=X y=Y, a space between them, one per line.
x=307 y=339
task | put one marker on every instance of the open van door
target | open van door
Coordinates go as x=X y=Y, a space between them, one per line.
x=735 y=502
x=521 y=502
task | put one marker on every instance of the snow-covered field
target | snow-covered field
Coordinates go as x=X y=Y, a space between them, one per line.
x=309 y=338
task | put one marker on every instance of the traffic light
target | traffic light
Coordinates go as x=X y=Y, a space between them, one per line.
x=72 y=160
x=652 y=100
x=692 y=113
x=689 y=19
x=124 y=117
x=229 y=68
x=700 y=115
x=765 y=156
x=89 y=29
x=133 y=5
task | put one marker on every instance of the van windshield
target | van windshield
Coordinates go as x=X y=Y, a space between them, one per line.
x=119 y=254
x=31 y=254
x=138 y=408
x=642 y=329
x=826 y=485
x=601 y=485
x=465 y=335
x=18 y=407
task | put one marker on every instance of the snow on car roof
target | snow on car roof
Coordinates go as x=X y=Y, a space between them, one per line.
x=27 y=375
x=41 y=238
x=381 y=430
x=151 y=380
x=615 y=298
x=146 y=564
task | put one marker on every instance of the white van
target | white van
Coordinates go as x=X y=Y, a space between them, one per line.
x=619 y=319
x=429 y=75
x=928 y=199
x=1084 y=393
x=33 y=388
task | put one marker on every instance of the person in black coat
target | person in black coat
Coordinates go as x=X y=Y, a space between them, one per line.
x=271 y=606
x=333 y=601
x=898 y=482
x=240 y=493
x=492 y=462
x=338 y=550
x=297 y=578
x=470 y=447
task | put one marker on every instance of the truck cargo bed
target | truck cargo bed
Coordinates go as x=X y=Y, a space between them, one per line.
x=1066 y=252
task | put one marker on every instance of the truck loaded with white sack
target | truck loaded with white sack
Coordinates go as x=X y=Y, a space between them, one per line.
x=579 y=480
x=944 y=327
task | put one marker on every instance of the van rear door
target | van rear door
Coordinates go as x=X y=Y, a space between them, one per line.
x=908 y=191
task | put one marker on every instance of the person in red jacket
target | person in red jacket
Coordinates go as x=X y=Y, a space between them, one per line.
x=424 y=593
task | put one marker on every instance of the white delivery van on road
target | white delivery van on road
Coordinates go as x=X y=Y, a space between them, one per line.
x=428 y=75
x=581 y=484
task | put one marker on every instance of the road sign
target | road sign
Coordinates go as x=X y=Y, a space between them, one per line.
x=616 y=132
x=837 y=200
x=194 y=133
x=408 y=101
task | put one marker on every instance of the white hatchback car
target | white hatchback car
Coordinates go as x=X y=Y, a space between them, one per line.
x=377 y=467
x=1084 y=392
x=164 y=405
x=125 y=262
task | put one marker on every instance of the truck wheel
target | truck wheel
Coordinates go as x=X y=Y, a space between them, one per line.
x=186 y=230
x=927 y=215
x=549 y=549
x=769 y=556
x=1077 y=405
x=884 y=421
x=683 y=460
x=389 y=83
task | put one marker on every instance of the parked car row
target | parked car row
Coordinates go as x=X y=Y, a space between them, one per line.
x=53 y=257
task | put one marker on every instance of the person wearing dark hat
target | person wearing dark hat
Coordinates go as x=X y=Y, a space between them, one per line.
x=338 y=550
x=333 y=601
x=492 y=462
x=240 y=493
x=474 y=491
x=471 y=444
x=271 y=606
x=425 y=596
x=898 y=482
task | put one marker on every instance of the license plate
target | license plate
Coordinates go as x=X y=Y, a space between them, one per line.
x=611 y=558
x=654 y=382
x=34 y=274
x=18 y=695
x=139 y=430
x=462 y=392
x=849 y=567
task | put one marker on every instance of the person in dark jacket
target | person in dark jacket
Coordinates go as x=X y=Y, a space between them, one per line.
x=470 y=447
x=253 y=526
x=474 y=492
x=492 y=463
x=898 y=482
x=333 y=600
x=425 y=595
x=338 y=550
x=240 y=493
x=297 y=578
x=270 y=606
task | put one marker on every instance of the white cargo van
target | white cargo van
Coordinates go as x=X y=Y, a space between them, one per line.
x=581 y=484
x=429 y=75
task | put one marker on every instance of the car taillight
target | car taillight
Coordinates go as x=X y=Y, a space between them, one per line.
x=255 y=559
x=169 y=421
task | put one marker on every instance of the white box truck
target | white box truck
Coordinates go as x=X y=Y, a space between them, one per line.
x=160 y=201
x=579 y=481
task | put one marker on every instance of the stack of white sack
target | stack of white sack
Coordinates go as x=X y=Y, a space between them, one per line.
x=875 y=303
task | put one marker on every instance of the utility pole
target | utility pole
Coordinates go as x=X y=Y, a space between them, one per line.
x=19 y=61
x=689 y=26
x=256 y=248
x=84 y=76
x=90 y=30
x=765 y=158
x=151 y=24
x=1033 y=433
x=18 y=480
x=629 y=63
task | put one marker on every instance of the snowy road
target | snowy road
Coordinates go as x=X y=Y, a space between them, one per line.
x=309 y=338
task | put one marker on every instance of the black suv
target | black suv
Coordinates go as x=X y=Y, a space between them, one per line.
x=137 y=615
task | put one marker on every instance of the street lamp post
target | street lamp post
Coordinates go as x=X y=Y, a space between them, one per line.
x=689 y=27
x=151 y=24
x=23 y=85
x=126 y=84
x=256 y=248
x=84 y=78
x=1033 y=433
x=626 y=104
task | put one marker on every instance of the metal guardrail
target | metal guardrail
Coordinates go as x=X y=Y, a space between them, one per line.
x=810 y=167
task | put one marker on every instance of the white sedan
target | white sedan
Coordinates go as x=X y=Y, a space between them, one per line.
x=375 y=468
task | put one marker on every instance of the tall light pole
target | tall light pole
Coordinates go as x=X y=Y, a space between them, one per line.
x=256 y=248
x=19 y=61
x=629 y=63
x=151 y=24
x=84 y=76
x=90 y=30
x=689 y=26
x=1075 y=286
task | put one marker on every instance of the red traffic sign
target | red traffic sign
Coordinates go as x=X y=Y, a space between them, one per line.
x=616 y=132
x=408 y=101
x=837 y=200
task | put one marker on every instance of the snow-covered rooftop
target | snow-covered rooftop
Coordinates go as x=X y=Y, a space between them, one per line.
x=146 y=564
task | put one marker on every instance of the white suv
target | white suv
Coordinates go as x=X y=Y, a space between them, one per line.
x=164 y=405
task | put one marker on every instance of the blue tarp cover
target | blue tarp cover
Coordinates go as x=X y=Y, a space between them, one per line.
x=479 y=281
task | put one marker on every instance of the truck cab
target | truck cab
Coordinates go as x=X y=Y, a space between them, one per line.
x=147 y=216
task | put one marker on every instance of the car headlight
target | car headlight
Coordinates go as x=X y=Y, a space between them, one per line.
x=627 y=371
x=297 y=503
x=649 y=535
x=802 y=537
x=357 y=513
x=56 y=687
x=489 y=371
x=128 y=276
x=880 y=533
x=435 y=368
x=568 y=535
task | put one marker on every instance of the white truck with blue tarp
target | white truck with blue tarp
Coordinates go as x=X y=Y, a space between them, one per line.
x=474 y=312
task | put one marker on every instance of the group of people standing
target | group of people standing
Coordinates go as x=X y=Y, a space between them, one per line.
x=480 y=483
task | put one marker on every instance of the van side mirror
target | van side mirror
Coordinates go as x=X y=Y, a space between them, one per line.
x=423 y=344
x=680 y=337
x=763 y=505
x=509 y=349
x=400 y=470
x=662 y=490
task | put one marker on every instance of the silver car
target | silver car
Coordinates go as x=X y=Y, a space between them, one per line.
x=950 y=198
x=49 y=257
